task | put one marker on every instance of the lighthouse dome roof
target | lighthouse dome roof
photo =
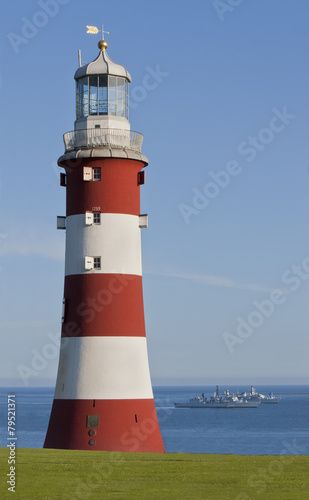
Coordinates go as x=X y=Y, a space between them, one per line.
x=103 y=65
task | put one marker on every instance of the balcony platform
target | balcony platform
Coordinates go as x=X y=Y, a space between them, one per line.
x=103 y=143
x=102 y=138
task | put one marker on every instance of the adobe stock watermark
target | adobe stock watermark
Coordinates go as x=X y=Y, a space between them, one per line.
x=150 y=82
x=264 y=309
x=264 y=476
x=32 y=24
x=85 y=310
x=101 y=472
x=40 y=360
x=249 y=149
x=222 y=7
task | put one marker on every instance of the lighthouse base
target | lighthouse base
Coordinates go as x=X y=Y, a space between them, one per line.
x=109 y=425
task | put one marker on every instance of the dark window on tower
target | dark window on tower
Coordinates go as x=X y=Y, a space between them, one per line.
x=141 y=178
x=97 y=263
x=96 y=174
x=97 y=217
x=63 y=180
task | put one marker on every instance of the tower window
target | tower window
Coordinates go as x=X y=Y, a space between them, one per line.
x=97 y=263
x=96 y=174
x=63 y=180
x=141 y=177
x=92 y=263
x=97 y=217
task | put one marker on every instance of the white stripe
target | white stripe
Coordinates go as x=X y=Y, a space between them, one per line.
x=103 y=368
x=117 y=240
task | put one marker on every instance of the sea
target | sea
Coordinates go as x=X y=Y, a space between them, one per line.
x=276 y=429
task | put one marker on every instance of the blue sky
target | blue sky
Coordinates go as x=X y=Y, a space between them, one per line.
x=222 y=249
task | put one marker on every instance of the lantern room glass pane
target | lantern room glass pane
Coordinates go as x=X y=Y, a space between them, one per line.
x=120 y=104
x=111 y=101
x=82 y=98
x=120 y=85
x=103 y=105
x=112 y=95
x=112 y=82
x=93 y=95
x=120 y=97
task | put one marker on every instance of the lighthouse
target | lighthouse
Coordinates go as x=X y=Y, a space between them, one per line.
x=103 y=398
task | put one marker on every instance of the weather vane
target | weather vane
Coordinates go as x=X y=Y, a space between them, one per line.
x=93 y=30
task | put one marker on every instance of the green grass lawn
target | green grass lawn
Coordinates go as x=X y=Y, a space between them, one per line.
x=66 y=474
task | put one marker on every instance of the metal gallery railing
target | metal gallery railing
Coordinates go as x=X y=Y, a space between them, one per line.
x=103 y=137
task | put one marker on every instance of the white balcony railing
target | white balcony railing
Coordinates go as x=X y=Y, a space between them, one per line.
x=103 y=137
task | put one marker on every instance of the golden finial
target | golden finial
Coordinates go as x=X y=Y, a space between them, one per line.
x=103 y=43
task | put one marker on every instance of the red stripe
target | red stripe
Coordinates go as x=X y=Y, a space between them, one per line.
x=124 y=425
x=103 y=305
x=118 y=191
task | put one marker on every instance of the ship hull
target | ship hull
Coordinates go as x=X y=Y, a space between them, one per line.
x=216 y=406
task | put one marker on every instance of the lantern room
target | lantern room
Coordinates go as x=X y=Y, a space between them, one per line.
x=102 y=94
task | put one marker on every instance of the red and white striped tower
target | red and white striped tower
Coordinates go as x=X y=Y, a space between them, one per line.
x=103 y=398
